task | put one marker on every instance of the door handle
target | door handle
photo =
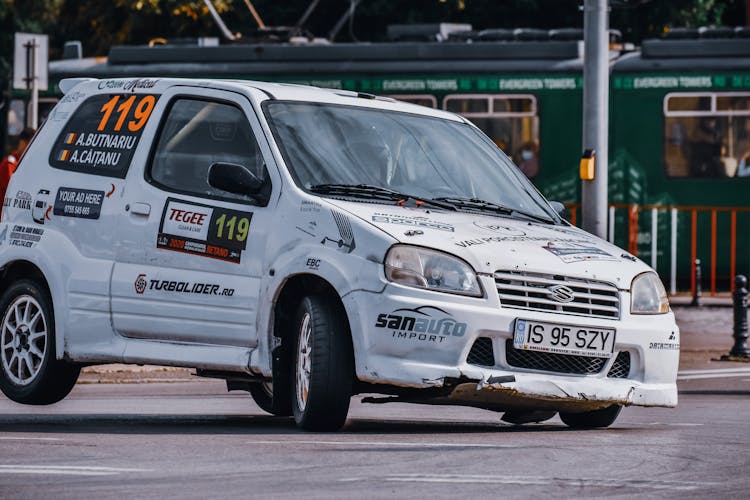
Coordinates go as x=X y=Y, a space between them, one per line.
x=140 y=208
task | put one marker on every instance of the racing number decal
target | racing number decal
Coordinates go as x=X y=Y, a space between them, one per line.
x=140 y=115
x=203 y=230
x=103 y=133
x=243 y=226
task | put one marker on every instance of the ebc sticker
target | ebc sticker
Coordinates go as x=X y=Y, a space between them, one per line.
x=103 y=134
x=202 y=230
x=81 y=203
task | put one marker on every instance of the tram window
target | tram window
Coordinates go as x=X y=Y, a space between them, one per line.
x=511 y=121
x=426 y=100
x=466 y=106
x=707 y=135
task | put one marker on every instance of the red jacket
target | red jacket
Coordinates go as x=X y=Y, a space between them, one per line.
x=7 y=167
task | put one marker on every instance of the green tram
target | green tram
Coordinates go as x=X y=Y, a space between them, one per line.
x=679 y=121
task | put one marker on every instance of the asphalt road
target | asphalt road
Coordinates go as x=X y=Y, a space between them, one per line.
x=195 y=440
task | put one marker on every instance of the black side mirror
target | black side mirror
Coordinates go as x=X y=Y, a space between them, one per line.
x=558 y=207
x=235 y=178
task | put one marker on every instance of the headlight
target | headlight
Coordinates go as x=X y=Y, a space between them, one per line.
x=431 y=270
x=647 y=295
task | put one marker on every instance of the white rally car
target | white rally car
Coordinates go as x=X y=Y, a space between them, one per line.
x=306 y=245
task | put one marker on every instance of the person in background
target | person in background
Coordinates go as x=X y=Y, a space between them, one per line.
x=528 y=159
x=10 y=162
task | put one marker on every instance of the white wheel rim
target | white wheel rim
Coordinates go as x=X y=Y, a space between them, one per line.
x=23 y=340
x=303 y=362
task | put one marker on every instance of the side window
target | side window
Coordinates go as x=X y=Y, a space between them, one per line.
x=197 y=134
x=511 y=121
x=103 y=133
x=707 y=134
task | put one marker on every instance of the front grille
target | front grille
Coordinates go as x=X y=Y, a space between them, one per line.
x=481 y=353
x=621 y=366
x=552 y=362
x=532 y=291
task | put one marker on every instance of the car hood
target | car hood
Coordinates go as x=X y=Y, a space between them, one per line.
x=492 y=243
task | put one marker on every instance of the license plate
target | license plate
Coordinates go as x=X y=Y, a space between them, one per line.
x=564 y=339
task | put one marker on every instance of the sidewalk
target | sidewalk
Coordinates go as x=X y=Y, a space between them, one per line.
x=705 y=335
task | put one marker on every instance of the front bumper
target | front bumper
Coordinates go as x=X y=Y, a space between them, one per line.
x=392 y=348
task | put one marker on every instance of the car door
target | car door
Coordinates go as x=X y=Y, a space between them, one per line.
x=188 y=259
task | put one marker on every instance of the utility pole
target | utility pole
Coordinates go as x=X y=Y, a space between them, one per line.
x=595 y=114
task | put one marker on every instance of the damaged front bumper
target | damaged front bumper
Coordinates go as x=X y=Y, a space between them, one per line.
x=392 y=352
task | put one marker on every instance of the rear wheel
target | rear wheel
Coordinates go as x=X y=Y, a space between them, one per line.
x=262 y=394
x=322 y=367
x=592 y=419
x=29 y=370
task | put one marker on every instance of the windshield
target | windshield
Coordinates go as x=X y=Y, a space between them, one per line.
x=425 y=157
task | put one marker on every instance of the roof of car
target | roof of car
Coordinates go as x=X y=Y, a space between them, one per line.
x=273 y=91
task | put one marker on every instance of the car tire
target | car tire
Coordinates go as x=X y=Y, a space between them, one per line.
x=30 y=372
x=591 y=419
x=262 y=394
x=322 y=366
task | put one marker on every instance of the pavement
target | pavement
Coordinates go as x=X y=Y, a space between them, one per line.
x=706 y=335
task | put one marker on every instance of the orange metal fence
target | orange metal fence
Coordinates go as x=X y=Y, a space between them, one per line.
x=628 y=236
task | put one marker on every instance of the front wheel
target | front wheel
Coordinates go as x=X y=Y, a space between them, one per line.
x=322 y=371
x=591 y=419
x=30 y=372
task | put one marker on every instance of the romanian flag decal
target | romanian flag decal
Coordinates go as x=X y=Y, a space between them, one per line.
x=64 y=155
x=70 y=138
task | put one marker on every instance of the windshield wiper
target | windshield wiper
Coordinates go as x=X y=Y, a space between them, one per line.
x=477 y=204
x=376 y=193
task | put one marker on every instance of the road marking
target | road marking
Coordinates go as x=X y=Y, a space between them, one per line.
x=675 y=424
x=713 y=373
x=386 y=444
x=13 y=438
x=539 y=481
x=66 y=470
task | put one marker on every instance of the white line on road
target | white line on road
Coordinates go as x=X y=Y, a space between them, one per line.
x=538 y=480
x=716 y=370
x=714 y=373
x=65 y=470
x=385 y=444
x=23 y=438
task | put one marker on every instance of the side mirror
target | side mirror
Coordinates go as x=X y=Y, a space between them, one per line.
x=234 y=178
x=558 y=207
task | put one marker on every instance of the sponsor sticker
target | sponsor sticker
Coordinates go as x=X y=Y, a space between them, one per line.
x=25 y=236
x=142 y=285
x=81 y=203
x=414 y=221
x=664 y=346
x=576 y=253
x=196 y=229
x=22 y=200
x=422 y=324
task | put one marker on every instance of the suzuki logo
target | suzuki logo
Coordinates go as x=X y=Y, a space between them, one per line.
x=561 y=293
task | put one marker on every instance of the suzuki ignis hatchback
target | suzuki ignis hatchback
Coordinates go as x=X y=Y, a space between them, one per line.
x=306 y=245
